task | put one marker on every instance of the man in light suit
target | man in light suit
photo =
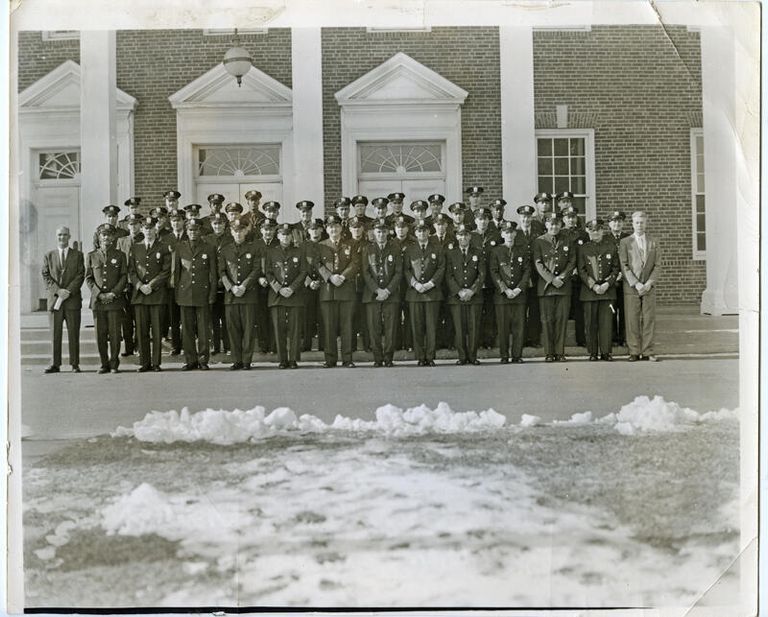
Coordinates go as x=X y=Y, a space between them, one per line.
x=64 y=273
x=640 y=258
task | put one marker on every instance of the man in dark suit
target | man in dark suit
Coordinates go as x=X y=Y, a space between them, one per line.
x=285 y=271
x=106 y=275
x=149 y=267
x=382 y=265
x=598 y=268
x=615 y=235
x=195 y=287
x=555 y=260
x=424 y=269
x=640 y=257
x=465 y=271
x=64 y=273
x=510 y=271
x=337 y=264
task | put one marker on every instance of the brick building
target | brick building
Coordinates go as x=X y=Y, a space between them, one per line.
x=613 y=113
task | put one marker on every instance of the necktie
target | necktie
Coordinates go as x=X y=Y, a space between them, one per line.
x=62 y=256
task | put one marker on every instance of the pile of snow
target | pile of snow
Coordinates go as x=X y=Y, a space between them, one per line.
x=230 y=427
x=658 y=415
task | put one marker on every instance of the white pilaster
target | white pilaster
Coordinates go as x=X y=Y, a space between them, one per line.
x=308 y=182
x=98 y=129
x=718 y=69
x=518 y=126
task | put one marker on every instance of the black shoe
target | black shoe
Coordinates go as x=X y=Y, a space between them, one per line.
x=216 y=351
x=203 y=367
x=504 y=360
x=246 y=366
x=607 y=357
x=643 y=358
x=75 y=368
x=593 y=358
x=143 y=369
x=389 y=364
x=460 y=362
x=103 y=370
x=429 y=363
x=377 y=365
x=114 y=370
x=517 y=360
x=236 y=366
x=475 y=362
x=421 y=363
x=560 y=358
x=329 y=364
x=549 y=359
x=51 y=369
x=126 y=353
x=293 y=365
x=188 y=367
x=633 y=358
x=175 y=352
x=157 y=369
x=282 y=365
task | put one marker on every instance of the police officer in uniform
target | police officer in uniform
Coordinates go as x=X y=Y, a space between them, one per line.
x=396 y=205
x=264 y=330
x=555 y=259
x=359 y=204
x=474 y=194
x=380 y=206
x=424 y=269
x=403 y=337
x=220 y=238
x=342 y=207
x=106 y=274
x=239 y=270
x=133 y=205
x=254 y=216
x=436 y=202
x=510 y=271
x=578 y=237
x=162 y=224
x=285 y=273
x=615 y=235
x=460 y=215
x=125 y=245
x=382 y=266
x=465 y=271
x=271 y=211
x=178 y=234
x=598 y=268
x=526 y=234
x=497 y=215
x=312 y=282
x=419 y=209
x=149 y=267
x=360 y=322
x=544 y=204
x=338 y=265
x=486 y=240
x=234 y=210
x=171 y=200
x=110 y=218
x=195 y=287
x=300 y=230
x=215 y=203
x=444 y=236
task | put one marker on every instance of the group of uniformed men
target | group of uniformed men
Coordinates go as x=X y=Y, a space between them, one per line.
x=465 y=279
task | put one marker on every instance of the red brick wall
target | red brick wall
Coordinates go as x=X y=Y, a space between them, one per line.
x=37 y=58
x=641 y=92
x=469 y=57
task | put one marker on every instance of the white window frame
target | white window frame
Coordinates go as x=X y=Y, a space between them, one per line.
x=408 y=175
x=697 y=254
x=236 y=179
x=61 y=35
x=590 y=202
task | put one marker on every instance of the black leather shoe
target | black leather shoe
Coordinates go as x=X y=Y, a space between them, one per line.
x=143 y=369
x=114 y=370
x=236 y=366
x=632 y=358
x=460 y=362
x=549 y=359
x=125 y=354
x=504 y=360
x=607 y=357
x=51 y=369
x=282 y=365
x=103 y=370
x=293 y=365
x=348 y=364
x=377 y=365
x=517 y=360
x=175 y=352
x=389 y=364
x=643 y=358
x=475 y=362
x=188 y=367
x=157 y=369
x=329 y=364
x=430 y=363
x=421 y=363
x=203 y=367
x=75 y=368
x=560 y=358
x=593 y=358
x=246 y=366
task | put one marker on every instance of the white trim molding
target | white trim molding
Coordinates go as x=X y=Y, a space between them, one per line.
x=401 y=100
x=698 y=255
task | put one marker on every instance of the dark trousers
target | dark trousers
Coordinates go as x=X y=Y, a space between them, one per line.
x=510 y=319
x=56 y=320
x=311 y=320
x=488 y=319
x=360 y=324
x=532 y=320
x=174 y=322
x=404 y=335
x=577 y=311
x=618 y=327
x=240 y=320
x=554 y=321
x=219 y=335
x=108 y=337
x=149 y=319
x=129 y=325
x=264 y=330
x=287 y=323
x=337 y=320
x=597 y=326
x=382 y=322
x=466 y=329
x=423 y=317
x=195 y=321
x=444 y=328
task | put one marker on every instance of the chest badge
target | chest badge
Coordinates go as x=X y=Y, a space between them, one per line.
x=247 y=255
x=295 y=260
x=114 y=261
x=205 y=255
x=565 y=248
x=434 y=256
x=474 y=258
x=390 y=258
x=159 y=256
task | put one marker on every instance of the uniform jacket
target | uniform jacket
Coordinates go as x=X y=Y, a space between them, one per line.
x=119 y=233
x=598 y=263
x=106 y=272
x=616 y=240
x=195 y=273
x=510 y=268
x=125 y=243
x=69 y=277
x=150 y=266
x=310 y=258
x=424 y=266
x=239 y=264
x=465 y=273
x=486 y=243
x=343 y=259
x=285 y=267
x=218 y=242
x=636 y=269
x=553 y=256
x=382 y=269
x=448 y=241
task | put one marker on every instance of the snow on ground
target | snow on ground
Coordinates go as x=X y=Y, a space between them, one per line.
x=419 y=507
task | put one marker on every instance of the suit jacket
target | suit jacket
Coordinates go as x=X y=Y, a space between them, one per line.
x=69 y=277
x=285 y=267
x=427 y=266
x=195 y=273
x=553 y=256
x=465 y=273
x=636 y=269
x=382 y=269
x=106 y=272
x=341 y=259
x=239 y=264
x=598 y=264
x=150 y=266
x=510 y=269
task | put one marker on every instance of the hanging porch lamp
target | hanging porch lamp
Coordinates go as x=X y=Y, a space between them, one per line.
x=237 y=60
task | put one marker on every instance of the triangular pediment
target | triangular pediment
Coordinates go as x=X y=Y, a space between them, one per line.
x=217 y=88
x=60 y=89
x=401 y=79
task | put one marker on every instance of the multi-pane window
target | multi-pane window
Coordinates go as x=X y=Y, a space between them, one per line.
x=565 y=162
x=697 y=194
x=400 y=159
x=238 y=161
x=58 y=165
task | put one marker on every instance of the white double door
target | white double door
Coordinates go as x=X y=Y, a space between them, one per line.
x=270 y=191
x=412 y=189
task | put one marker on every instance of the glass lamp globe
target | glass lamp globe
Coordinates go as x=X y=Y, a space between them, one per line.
x=237 y=61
